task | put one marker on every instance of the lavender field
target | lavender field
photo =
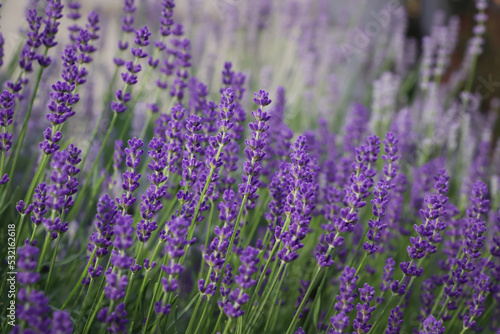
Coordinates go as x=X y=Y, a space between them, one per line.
x=249 y=166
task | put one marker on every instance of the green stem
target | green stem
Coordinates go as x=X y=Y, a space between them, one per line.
x=41 y=167
x=303 y=302
x=53 y=261
x=127 y=293
x=82 y=276
x=24 y=128
x=82 y=310
x=381 y=314
x=219 y=318
x=141 y=290
x=146 y=124
x=44 y=250
x=94 y=313
x=273 y=303
x=228 y=325
x=202 y=319
x=207 y=236
x=195 y=311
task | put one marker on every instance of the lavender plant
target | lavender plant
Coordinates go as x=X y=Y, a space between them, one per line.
x=357 y=191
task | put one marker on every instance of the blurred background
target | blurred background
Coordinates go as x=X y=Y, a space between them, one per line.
x=300 y=60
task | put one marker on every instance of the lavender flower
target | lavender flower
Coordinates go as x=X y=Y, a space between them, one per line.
x=131 y=177
x=254 y=150
x=360 y=324
x=347 y=293
x=394 y=322
x=238 y=297
x=105 y=220
x=130 y=77
x=431 y=325
x=6 y=113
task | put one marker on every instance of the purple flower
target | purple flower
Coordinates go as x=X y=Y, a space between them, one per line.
x=27 y=264
x=117 y=319
x=28 y=52
x=53 y=12
x=130 y=179
x=32 y=312
x=255 y=150
x=432 y=326
x=387 y=278
x=119 y=154
x=347 y=292
x=7 y=101
x=74 y=14
x=123 y=231
x=105 y=220
x=394 y=322
x=128 y=19
x=61 y=323
x=481 y=289
x=360 y=324
x=355 y=128
x=339 y=323
x=299 y=202
x=237 y=298
x=304 y=285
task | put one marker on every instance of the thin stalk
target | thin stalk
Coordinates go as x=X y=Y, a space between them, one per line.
x=94 y=313
x=44 y=250
x=303 y=302
x=219 y=318
x=207 y=236
x=82 y=310
x=145 y=127
x=30 y=193
x=228 y=325
x=195 y=311
x=273 y=302
x=82 y=276
x=253 y=317
x=19 y=143
x=205 y=308
x=127 y=293
x=381 y=314
x=141 y=290
x=52 y=262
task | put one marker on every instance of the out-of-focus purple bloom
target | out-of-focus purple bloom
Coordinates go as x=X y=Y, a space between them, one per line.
x=61 y=323
x=432 y=326
x=355 y=128
x=2 y=42
x=74 y=14
x=387 y=278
